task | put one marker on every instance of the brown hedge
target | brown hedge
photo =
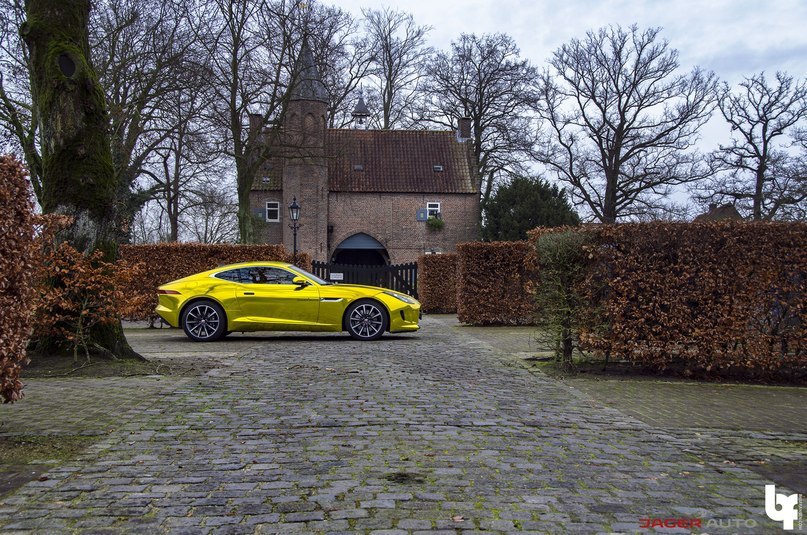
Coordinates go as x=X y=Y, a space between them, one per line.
x=164 y=262
x=708 y=297
x=437 y=283
x=17 y=268
x=77 y=292
x=496 y=283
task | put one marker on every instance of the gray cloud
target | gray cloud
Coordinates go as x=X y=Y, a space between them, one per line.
x=734 y=38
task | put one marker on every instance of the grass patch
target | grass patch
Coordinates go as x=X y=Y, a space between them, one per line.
x=42 y=449
x=45 y=365
x=626 y=370
x=25 y=458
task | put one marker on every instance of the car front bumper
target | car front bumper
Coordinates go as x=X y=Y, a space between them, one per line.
x=405 y=319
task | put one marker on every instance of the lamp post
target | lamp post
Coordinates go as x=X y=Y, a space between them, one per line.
x=294 y=215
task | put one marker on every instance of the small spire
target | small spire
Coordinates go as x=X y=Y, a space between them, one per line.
x=308 y=84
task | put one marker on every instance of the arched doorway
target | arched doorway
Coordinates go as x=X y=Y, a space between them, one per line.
x=361 y=249
x=361 y=259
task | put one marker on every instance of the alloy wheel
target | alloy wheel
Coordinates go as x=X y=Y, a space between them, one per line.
x=202 y=321
x=366 y=320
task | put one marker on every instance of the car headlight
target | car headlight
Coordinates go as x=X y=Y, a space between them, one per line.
x=405 y=298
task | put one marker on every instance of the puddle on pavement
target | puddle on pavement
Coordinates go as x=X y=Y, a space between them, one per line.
x=405 y=478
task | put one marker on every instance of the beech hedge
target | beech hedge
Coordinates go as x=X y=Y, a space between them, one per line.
x=707 y=298
x=17 y=274
x=496 y=283
x=437 y=284
x=76 y=293
x=165 y=262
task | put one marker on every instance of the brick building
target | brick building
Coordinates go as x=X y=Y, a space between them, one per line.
x=364 y=194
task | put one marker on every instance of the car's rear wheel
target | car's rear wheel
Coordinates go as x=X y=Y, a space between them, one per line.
x=366 y=320
x=204 y=321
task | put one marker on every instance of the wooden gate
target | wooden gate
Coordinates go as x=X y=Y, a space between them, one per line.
x=399 y=277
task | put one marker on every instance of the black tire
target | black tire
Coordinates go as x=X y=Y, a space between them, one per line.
x=204 y=321
x=366 y=320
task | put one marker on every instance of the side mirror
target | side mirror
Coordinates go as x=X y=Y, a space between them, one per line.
x=300 y=281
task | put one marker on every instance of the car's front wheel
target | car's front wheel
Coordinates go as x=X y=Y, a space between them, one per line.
x=204 y=321
x=366 y=320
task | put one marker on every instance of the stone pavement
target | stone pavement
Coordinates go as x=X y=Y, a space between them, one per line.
x=444 y=431
x=762 y=428
x=668 y=403
x=79 y=406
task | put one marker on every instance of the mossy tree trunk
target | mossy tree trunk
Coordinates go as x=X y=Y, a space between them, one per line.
x=78 y=177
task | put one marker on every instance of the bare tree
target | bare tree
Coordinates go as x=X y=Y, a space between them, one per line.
x=150 y=224
x=619 y=123
x=139 y=50
x=760 y=175
x=249 y=48
x=208 y=214
x=142 y=50
x=797 y=211
x=400 y=55
x=18 y=116
x=484 y=78
x=212 y=214
x=342 y=56
x=78 y=177
x=186 y=157
x=681 y=212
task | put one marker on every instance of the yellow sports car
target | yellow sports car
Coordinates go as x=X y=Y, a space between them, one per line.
x=274 y=296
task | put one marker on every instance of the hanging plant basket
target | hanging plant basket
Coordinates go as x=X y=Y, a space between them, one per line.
x=435 y=223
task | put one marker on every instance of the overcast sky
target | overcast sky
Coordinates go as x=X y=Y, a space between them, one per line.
x=734 y=38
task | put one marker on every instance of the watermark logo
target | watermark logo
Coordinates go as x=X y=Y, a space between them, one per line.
x=686 y=523
x=781 y=508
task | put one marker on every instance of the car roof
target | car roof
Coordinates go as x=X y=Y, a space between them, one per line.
x=272 y=263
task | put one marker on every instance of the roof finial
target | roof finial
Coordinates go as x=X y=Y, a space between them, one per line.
x=360 y=112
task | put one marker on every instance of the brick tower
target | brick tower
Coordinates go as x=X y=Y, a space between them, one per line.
x=305 y=174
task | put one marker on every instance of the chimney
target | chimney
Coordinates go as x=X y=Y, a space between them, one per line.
x=712 y=206
x=464 y=129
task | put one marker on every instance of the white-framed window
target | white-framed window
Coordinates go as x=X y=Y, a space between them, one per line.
x=272 y=212
x=433 y=209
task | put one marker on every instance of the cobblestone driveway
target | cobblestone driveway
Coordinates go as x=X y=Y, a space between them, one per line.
x=435 y=432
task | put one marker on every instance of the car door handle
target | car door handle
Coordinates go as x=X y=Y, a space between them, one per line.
x=249 y=293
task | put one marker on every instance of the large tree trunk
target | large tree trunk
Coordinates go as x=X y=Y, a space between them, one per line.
x=78 y=177
x=759 y=194
x=609 y=203
x=246 y=229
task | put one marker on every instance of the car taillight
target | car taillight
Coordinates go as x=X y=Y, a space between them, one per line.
x=168 y=292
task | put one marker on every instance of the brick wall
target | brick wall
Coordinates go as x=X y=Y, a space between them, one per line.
x=390 y=219
x=387 y=217
x=268 y=232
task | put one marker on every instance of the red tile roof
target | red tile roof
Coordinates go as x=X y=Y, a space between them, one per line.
x=389 y=161
x=270 y=176
x=399 y=161
x=720 y=213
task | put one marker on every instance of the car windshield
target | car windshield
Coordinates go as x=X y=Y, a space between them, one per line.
x=309 y=275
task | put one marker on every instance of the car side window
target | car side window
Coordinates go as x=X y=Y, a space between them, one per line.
x=266 y=275
x=232 y=275
x=285 y=277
